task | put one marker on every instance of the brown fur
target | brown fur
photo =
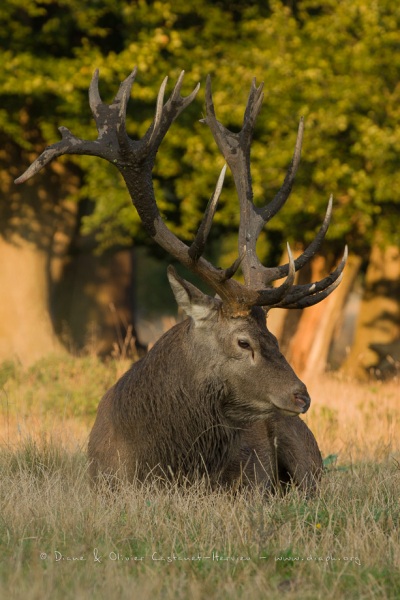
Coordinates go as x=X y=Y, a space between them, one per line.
x=200 y=405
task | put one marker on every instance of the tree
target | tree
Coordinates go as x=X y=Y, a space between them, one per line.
x=36 y=222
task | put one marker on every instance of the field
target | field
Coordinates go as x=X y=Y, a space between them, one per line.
x=61 y=540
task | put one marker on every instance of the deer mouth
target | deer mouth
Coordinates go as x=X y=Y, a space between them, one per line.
x=301 y=402
x=298 y=404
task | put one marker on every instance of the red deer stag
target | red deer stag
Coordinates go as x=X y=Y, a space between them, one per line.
x=214 y=397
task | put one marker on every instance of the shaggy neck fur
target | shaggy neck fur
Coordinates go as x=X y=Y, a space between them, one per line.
x=179 y=407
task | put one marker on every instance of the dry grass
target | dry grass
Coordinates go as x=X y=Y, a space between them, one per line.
x=357 y=421
x=344 y=543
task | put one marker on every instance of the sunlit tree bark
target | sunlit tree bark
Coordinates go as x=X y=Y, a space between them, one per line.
x=379 y=317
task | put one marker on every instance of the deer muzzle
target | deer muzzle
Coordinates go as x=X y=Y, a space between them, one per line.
x=302 y=402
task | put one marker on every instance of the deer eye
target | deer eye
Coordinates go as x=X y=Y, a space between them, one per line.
x=244 y=344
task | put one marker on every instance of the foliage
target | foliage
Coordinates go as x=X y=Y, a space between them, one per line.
x=336 y=63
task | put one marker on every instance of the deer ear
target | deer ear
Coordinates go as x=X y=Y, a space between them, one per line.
x=191 y=300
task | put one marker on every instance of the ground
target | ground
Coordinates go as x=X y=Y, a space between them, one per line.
x=59 y=539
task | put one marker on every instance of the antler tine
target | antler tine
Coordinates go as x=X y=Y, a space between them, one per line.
x=121 y=99
x=166 y=113
x=209 y=99
x=124 y=91
x=223 y=137
x=230 y=271
x=175 y=96
x=94 y=95
x=272 y=296
x=159 y=109
x=283 y=194
x=296 y=297
x=273 y=273
x=176 y=93
x=178 y=86
x=69 y=144
x=253 y=106
x=315 y=298
x=197 y=247
x=102 y=113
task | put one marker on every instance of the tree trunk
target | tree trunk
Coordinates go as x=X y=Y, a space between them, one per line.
x=306 y=335
x=330 y=318
x=36 y=225
x=94 y=301
x=26 y=329
x=379 y=317
x=309 y=319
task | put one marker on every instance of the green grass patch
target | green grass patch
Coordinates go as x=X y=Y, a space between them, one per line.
x=66 y=386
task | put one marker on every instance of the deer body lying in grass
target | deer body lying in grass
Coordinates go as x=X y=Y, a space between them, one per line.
x=214 y=397
x=209 y=399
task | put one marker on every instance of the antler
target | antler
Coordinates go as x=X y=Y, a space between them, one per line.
x=135 y=160
x=235 y=147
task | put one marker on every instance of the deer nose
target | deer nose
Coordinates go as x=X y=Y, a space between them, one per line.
x=302 y=401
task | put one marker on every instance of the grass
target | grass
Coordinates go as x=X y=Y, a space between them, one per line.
x=146 y=542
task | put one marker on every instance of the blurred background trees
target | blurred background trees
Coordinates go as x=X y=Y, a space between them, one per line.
x=71 y=245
